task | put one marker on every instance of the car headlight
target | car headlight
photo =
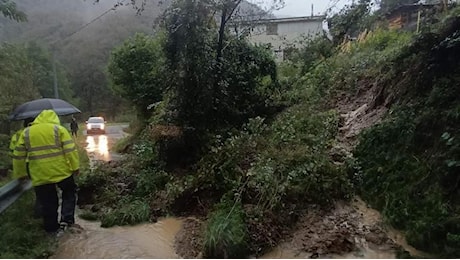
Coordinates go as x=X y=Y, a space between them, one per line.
x=88 y=126
x=102 y=126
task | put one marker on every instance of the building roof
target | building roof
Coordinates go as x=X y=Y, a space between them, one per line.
x=285 y=20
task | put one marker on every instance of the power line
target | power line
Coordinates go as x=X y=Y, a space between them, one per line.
x=89 y=23
x=55 y=83
x=332 y=4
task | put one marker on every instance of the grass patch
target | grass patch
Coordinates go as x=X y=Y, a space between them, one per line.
x=84 y=160
x=128 y=213
x=22 y=235
x=226 y=235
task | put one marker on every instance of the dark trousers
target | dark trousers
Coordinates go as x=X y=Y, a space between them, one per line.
x=48 y=198
x=38 y=209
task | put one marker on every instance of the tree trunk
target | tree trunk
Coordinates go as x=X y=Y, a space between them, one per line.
x=220 y=43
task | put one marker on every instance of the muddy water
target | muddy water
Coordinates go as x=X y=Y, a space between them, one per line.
x=140 y=241
x=373 y=216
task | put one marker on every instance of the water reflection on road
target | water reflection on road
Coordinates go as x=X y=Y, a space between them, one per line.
x=98 y=147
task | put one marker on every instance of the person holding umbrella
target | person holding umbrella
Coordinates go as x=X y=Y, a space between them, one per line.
x=53 y=162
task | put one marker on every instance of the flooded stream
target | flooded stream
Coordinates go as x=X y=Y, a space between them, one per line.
x=140 y=241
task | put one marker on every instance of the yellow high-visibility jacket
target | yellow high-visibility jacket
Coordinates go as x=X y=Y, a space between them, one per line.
x=14 y=140
x=49 y=149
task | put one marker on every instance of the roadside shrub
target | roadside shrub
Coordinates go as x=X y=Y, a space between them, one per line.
x=150 y=180
x=107 y=183
x=288 y=159
x=145 y=152
x=226 y=234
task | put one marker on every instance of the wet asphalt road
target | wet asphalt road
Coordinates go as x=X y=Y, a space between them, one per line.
x=99 y=146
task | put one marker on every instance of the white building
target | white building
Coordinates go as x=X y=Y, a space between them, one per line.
x=283 y=32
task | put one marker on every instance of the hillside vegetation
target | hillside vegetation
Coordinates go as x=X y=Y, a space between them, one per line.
x=409 y=162
x=262 y=170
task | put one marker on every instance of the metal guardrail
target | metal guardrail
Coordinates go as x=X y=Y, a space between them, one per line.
x=12 y=191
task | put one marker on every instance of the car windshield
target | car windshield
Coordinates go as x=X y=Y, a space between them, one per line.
x=95 y=120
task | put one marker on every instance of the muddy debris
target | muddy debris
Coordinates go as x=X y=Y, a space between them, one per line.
x=336 y=231
x=189 y=240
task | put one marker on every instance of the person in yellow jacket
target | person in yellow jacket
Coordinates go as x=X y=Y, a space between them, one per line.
x=13 y=143
x=53 y=161
x=15 y=137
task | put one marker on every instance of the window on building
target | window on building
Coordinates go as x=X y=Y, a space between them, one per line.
x=272 y=29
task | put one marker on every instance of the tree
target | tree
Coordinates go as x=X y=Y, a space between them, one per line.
x=349 y=21
x=189 y=61
x=9 y=10
x=16 y=81
x=136 y=70
x=213 y=82
x=26 y=74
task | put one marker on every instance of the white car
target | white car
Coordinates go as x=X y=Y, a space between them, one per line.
x=95 y=125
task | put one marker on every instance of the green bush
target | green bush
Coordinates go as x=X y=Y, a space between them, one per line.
x=149 y=181
x=287 y=159
x=145 y=151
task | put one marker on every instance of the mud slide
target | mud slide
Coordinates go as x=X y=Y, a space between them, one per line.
x=346 y=231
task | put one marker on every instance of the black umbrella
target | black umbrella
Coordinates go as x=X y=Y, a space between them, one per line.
x=35 y=107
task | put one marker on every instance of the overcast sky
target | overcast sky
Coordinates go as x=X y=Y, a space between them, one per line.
x=303 y=7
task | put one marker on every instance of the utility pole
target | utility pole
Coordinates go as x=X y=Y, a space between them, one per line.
x=53 y=45
x=56 y=91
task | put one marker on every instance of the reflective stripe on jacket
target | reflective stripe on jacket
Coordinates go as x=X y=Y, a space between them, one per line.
x=49 y=149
